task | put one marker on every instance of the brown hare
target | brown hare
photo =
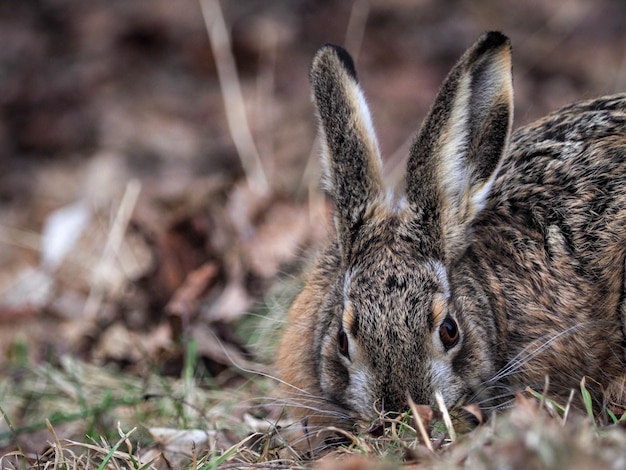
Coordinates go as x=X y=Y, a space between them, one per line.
x=500 y=264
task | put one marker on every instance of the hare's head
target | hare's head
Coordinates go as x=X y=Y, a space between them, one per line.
x=389 y=323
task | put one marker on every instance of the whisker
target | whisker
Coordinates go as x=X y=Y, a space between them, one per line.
x=299 y=398
x=258 y=372
x=520 y=359
x=495 y=392
x=303 y=403
x=498 y=401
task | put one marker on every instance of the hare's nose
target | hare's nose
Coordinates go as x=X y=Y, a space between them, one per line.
x=392 y=406
x=399 y=403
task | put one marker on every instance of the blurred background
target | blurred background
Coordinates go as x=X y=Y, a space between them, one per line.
x=158 y=166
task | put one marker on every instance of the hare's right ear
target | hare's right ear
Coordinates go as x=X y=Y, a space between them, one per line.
x=457 y=153
x=350 y=156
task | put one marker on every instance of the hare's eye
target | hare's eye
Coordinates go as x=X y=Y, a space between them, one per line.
x=449 y=333
x=342 y=343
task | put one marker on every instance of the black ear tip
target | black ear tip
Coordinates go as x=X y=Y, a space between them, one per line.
x=492 y=40
x=345 y=58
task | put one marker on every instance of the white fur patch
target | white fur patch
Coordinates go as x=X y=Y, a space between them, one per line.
x=464 y=198
x=479 y=198
x=325 y=160
x=361 y=104
x=360 y=394
x=441 y=373
x=346 y=284
x=365 y=121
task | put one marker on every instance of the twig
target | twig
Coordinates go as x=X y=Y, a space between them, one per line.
x=352 y=42
x=114 y=240
x=420 y=425
x=446 y=415
x=356 y=27
x=266 y=79
x=567 y=407
x=231 y=93
x=257 y=465
x=59 y=458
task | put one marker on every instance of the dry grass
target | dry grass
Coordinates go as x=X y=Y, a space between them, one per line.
x=96 y=417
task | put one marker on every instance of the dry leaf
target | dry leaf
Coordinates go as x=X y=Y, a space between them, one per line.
x=184 y=304
x=32 y=290
x=182 y=441
x=285 y=230
x=118 y=343
x=475 y=411
x=231 y=304
x=181 y=249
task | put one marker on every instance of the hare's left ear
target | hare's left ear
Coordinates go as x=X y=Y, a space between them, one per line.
x=350 y=156
x=456 y=155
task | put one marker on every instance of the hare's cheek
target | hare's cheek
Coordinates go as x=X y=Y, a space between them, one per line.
x=334 y=378
x=359 y=393
x=350 y=388
x=338 y=372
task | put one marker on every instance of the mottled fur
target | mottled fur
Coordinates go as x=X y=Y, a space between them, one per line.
x=520 y=241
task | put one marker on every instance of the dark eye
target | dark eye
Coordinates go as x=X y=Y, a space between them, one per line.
x=342 y=343
x=449 y=333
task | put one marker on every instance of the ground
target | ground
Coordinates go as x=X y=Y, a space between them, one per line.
x=159 y=195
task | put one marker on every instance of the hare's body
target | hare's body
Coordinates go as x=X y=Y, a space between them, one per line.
x=549 y=251
x=503 y=265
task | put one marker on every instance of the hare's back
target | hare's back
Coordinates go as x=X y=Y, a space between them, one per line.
x=569 y=169
x=564 y=179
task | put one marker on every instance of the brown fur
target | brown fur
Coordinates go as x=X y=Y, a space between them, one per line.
x=518 y=241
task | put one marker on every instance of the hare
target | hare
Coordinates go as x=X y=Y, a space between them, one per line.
x=500 y=264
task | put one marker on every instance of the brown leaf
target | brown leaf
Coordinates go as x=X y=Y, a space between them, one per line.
x=425 y=413
x=119 y=344
x=218 y=346
x=180 y=250
x=184 y=304
x=336 y=461
x=178 y=446
x=475 y=411
x=285 y=229
x=232 y=303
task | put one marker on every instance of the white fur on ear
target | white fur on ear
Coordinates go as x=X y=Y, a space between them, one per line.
x=454 y=169
x=363 y=121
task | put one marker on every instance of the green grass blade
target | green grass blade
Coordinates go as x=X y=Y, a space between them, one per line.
x=587 y=399
x=111 y=452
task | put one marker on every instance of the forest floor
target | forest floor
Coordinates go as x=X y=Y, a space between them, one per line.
x=159 y=197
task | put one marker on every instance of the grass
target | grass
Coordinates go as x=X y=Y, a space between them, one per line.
x=92 y=406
